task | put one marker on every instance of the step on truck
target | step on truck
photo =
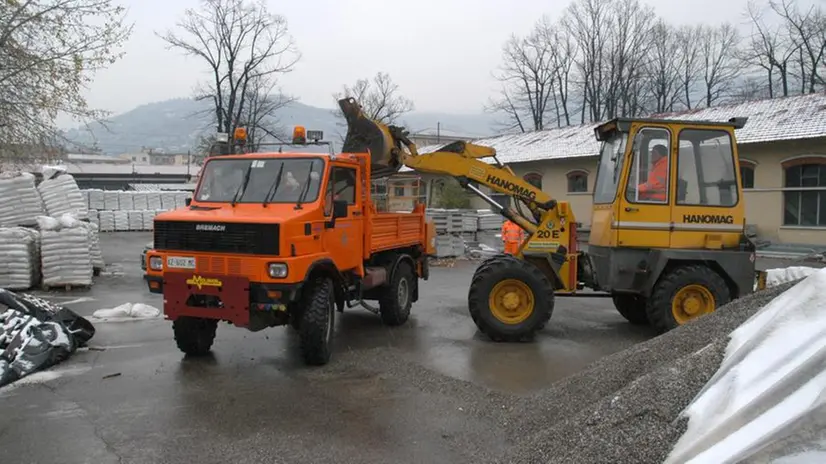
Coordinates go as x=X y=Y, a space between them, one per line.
x=271 y=239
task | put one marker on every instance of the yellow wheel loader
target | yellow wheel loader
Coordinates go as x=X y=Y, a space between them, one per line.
x=667 y=240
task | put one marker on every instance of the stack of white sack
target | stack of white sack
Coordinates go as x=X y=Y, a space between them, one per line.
x=65 y=253
x=61 y=194
x=19 y=260
x=96 y=199
x=95 y=253
x=140 y=201
x=121 y=221
x=111 y=200
x=20 y=203
x=126 y=201
x=153 y=201
x=135 y=220
x=107 y=221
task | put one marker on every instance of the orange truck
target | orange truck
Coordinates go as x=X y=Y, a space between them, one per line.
x=273 y=239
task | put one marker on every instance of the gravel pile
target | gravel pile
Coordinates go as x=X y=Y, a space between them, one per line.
x=625 y=407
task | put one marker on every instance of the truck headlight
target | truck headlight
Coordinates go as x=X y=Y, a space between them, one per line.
x=155 y=263
x=277 y=270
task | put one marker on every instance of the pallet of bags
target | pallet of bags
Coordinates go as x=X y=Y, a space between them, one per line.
x=95 y=253
x=61 y=194
x=65 y=254
x=126 y=201
x=96 y=199
x=21 y=204
x=140 y=201
x=149 y=219
x=153 y=201
x=19 y=260
x=110 y=200
x=107 y=221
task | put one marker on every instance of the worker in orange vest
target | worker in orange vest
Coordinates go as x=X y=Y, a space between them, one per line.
x=512 y=236
x=656 y=187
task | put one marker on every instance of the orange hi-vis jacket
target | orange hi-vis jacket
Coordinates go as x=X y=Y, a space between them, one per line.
x=656 y=187
x=512 y=236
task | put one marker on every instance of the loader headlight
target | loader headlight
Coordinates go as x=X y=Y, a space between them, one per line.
x=155 y=263
x=277 y=270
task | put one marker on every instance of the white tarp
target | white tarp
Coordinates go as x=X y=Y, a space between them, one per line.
x=770 y=381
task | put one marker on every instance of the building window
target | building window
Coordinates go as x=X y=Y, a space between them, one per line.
x=577 y=182
x=534 y=178
x=747 y=174
x=398 y=190
x=650 y=173
x=804 y=200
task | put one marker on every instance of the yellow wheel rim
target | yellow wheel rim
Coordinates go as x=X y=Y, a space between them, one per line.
x=691 y=302
x=511 y=301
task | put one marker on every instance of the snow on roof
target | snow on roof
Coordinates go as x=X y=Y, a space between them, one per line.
x=788 y=118
x=157 y=187
x=86 y=168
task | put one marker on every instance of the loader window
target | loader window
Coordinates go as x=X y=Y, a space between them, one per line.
x=610 y=166
x=648 y=179
x=706 y=172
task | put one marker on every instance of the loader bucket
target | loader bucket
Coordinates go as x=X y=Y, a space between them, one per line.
x=365 y=135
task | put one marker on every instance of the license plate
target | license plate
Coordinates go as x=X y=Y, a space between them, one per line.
x=180 y=263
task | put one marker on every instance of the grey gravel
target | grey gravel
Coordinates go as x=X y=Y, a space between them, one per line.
x=625 y=407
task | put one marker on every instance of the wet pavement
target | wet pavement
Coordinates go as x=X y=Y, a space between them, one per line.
x=425 y=392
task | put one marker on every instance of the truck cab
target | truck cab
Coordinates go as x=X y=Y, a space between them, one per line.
x=284 y=238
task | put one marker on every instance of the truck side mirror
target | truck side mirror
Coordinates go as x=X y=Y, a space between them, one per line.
x=339 y=209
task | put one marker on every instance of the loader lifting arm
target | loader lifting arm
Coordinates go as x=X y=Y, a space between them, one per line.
x=390 y=148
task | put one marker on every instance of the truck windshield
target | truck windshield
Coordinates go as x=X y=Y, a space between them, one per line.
x=223 y=178
x=610 y=168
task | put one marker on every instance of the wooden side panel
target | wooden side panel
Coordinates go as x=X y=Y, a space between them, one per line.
x=396 y=230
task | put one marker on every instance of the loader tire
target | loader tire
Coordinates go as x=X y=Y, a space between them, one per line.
x=631 y=307
x=684 y=294
x=397 y=298
x=317 y=319
x=510 y=299
x=194 y=335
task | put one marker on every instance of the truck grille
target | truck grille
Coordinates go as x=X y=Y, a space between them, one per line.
x=224 y=237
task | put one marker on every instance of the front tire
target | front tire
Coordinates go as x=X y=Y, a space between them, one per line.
x=317 y=320
x=684 y=294
x=194 y=335
x=631 y=307
x=510 y=299
x=396 y=300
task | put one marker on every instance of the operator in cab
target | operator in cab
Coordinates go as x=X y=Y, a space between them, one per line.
x=655 y=188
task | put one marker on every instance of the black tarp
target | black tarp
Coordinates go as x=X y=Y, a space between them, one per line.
x=36 y=334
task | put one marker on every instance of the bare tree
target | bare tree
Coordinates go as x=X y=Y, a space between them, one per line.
x=688 y=61
x=243 y=44
x=808 y=33
x=259 y=117
x=720 y=68
x=770 y=49
x=663 y=71
x=586 y=21
x=527 y=77
x=49 y=50
x=379 y=98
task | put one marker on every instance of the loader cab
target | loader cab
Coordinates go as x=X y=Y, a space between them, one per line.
x=667 y=184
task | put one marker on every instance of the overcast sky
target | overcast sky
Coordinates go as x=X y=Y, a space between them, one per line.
x=440 y=52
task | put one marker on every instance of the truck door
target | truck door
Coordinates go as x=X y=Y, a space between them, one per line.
x=344 y=240
x=644 y=216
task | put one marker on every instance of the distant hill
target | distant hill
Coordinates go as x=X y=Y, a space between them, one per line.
x=176 y=125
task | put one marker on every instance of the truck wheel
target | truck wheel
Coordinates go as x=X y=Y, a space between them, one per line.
x=510 y=299
x=194 y=335
x=397 y=298
x=684 y=294
x=316 y=328
x=631 y=307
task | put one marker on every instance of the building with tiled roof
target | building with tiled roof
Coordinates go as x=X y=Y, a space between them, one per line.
x=783 y=164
